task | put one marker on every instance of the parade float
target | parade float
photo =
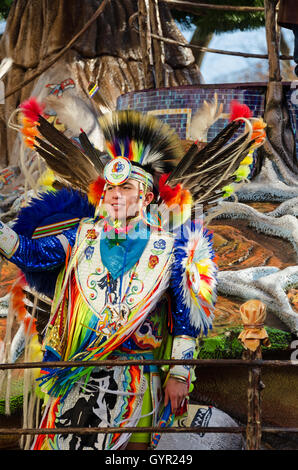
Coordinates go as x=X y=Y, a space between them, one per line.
x=87 y=70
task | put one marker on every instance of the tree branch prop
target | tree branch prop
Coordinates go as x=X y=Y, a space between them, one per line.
x=192 y=7
x=61 y=53
x=207 y=49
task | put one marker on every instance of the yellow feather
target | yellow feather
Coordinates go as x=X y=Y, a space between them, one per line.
x=35 y=354
x=47 y=178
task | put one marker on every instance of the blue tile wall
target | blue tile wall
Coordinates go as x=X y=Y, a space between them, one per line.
x=192 y=97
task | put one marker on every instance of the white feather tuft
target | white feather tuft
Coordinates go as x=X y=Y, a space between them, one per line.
x=75 y=114
x=207 y=115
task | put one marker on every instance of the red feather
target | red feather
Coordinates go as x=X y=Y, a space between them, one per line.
x=166 y=192
x=95 y=190
x=18 y=298
x=30 y=325
x=32 y=109
x=239 y=110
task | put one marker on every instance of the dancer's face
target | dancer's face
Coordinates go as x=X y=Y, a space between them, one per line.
x=123 y=201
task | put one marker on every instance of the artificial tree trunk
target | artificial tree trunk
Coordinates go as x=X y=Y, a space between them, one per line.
x=280 y=146
x=108 y=53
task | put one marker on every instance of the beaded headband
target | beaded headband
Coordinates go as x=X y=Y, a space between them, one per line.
x=119 y=169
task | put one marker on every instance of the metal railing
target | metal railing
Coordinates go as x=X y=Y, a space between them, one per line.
x=252 y=429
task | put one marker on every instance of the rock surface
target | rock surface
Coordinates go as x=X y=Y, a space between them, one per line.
x=207 y=416
x=239 y=247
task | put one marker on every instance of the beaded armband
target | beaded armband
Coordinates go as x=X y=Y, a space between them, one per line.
x=9 y=241
x=183 y=348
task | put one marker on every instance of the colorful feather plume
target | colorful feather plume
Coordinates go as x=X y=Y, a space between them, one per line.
x=259 y=133
x=174 y=204
x=18 y=298
x=18 y=303
x=95 y=191
x=30 y=325
x=194 y=276
x=64 y=157
x=173 y=195
x=31 y=110
x=142 y=139
x=200 y=176
x=239 y=110
x=243 y=172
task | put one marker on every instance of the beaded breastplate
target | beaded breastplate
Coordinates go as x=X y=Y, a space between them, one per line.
x=113 y=300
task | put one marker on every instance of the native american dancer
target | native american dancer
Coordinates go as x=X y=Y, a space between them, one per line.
x=128 y=265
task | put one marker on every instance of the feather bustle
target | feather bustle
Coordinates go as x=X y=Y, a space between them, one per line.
x=65 y=158
x=194 y=156
x=94 y=154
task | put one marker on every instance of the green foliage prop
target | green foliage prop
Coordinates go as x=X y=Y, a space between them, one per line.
x=227 y=345
x=219 y=21
x=4 y=8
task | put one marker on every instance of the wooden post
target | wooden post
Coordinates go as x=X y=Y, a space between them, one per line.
x=255 y=386
x=253 y=314
x=145 y=40
x=158 y=46
x=272 y=40
x=280 y=145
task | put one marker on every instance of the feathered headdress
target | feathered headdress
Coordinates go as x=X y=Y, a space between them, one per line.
x=140 y=146
x=142 y=139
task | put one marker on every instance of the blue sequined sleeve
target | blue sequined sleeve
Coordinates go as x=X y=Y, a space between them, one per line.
x=41 y=254
x=181 y=319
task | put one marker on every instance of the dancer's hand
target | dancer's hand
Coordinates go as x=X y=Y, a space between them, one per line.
x=175 y=392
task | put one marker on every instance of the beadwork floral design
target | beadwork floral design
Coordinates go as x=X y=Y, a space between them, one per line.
x=158 y=247
x=89 y=252
x=153 y=261
x=92 y=234
x=159 y=244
